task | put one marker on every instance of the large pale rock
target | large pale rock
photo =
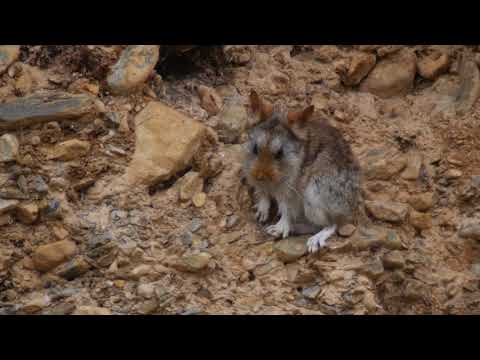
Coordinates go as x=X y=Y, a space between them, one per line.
x=8 y=148
x=45 y=107
x=46 y=257
x=166 y=143
x=133 y=68
x=392 y=76
x=8 y=54
x=360 y=65
x=387 y=210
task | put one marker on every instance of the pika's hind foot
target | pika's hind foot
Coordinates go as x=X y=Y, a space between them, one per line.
x=317 y=241
x=280 y=229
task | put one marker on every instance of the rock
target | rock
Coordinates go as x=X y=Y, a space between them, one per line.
x=393 y=260
x=190 y=184
x=73 y=269
x=392 y=241
x=431 y=66
x=39 y=185
x=195 y=225
x=387 y=211
x=91 y=310
x=347 y=230
x=453 y=174
x=50 y=209
x=70 y=150
x=420 y=221
x=414 y=165
x=421 y=202
x=469 y=90
x=366 y=238
x=146 y=290
x=392 y=76
x=5 y=219
x=238 y=54
x=360 y=65
x=291 y=249
x=199 y=199
x=470 y=230
x=373 y=269
x=147 y=307
x=7 y=205
x=8 y=148
x=141 y=270
x=62 y=309
x=230 y=122
x=27 y=213
x=379 y=164
x=192 y=263
x=311 y=292
x=35 y=305
x=45 y=107
x=8 y=55
x=46 y=257
x=210 y=101
x=119 y=283
x=166 y=142
x=133 y=68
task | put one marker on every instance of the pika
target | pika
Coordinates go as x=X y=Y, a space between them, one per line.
x=304 y=164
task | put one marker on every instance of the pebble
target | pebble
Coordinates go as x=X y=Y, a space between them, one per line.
x=35 y=305
x=311 y=292
x=347 y=230
x=414 y=165
x=199 y=199
x=91 y=310
x=8 y=55
x=373 y=269
x=420 y=221
x=46 y=257
x=470 y=230
x=27 y=213
x=9 y=147
x=146 y=290
x=393 y=260
x=190 y=184
x=141 y=270
x=453 y=174
x=195 y=225
x=291 y=249
x=210 y=101
x=39 y=185
x=73 y=268
x=70 y=150
x=387 y=210
x=35 y=140
x=7 y=205
x=421 y=202
x=431 y=66
x=192 y=263
x=360 y=65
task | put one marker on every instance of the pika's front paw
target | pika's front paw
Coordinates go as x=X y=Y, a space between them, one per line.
x=280 y=229
x=263 y=208
x=315 y=243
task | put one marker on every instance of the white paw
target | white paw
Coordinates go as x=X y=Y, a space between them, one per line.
x=262 y=213
x=280 y=229
x=317 y=241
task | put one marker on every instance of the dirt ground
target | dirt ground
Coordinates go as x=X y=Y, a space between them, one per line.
x=134 y=242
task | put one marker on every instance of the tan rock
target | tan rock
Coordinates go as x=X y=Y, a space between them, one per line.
x=421 y=202
x=414 y=165
x=27 y=213
x=360 y=65
x=73 y=269
x=141 y=270
x=36 y=304
x=420 y=221
x=8 y=148
x=291 y=249
x=387 y=210
x=433 y=65
x=452 y=174
x=46 y=257
x=192 y=263
x=470 y=230
x=190 y=184
x=379 y=164
x=231 y=121
x=199 y=199
x=70 y=150
x=91 y=310
x=210 y=101
x=393 y=260
x=393 y=75
x=166 y=143
x=135 y=65
x=347 y=230
x=7 y=205
x=8 y=55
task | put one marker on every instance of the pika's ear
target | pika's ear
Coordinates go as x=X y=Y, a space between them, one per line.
x=260 y=107
x=300 y=117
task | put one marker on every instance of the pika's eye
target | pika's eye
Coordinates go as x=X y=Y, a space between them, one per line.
x=255 y=149
x=279 y=154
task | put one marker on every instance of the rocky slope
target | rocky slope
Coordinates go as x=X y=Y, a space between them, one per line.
x=120 y=190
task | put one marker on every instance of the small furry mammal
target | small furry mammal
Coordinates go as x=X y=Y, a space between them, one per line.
x=306 y=166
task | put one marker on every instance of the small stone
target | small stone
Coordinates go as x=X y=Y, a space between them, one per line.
x=210 y=101
x=140 y=271
x=420 y=221
x=360 y=65
x=476 y=269
x=5 y=219
x=291 y=249
x=91 y=310
x=366 y=238
x=232 y=220
x=195 y=225
x=7 y=205
x=369 y=301
x=387 y=210
x=146 y=290
x=70 y=150
x=414 y=165
x=311 y=292
x=393 y=260
x=347 y=230
x=35 y=305
x=8 y=55
x=190 y=184
x=62 y=309
x=373 y=269
x=8 y=148
x=230 y=122
x=27 y=213
x=421 y=202
x=192 y=263
x=35 y=140
x=120 y=284
x=199 y=199
x=46 y=257
x=39 y=185
x=393 y=241
x=51 y=209
x=73 y=269
x=382 y=165
x=147 y=307
x=133 y=68
x=470 y=230
x=430 y=67
x=453 y=174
